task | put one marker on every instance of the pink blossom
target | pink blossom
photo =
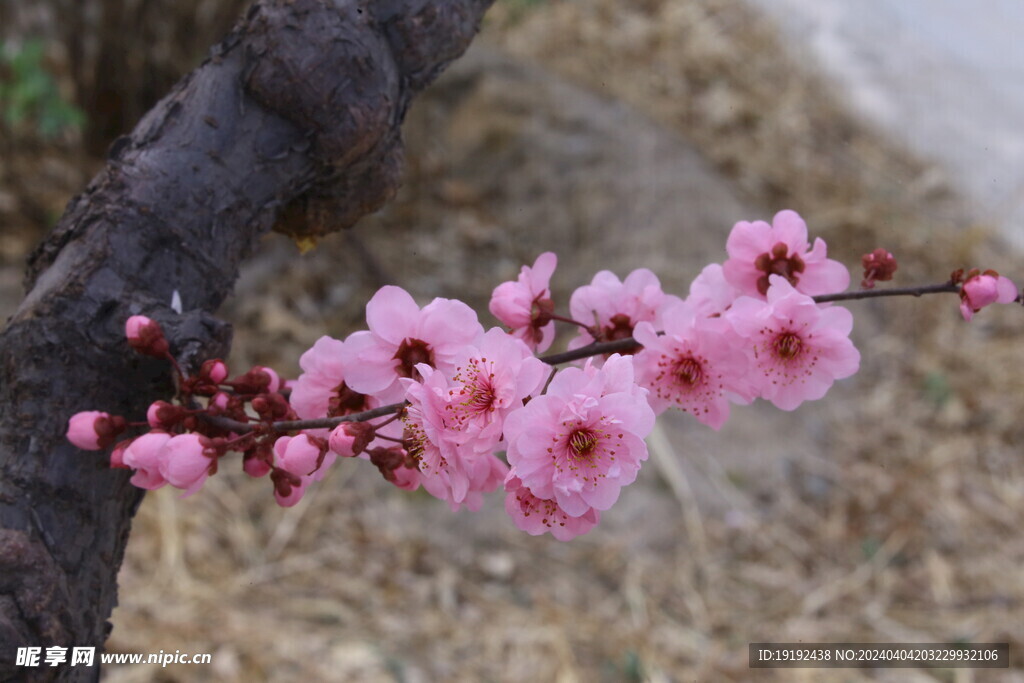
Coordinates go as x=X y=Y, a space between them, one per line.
x=582 y=441
x=92 y=430
x=185 y=462
x=615 y=307
x=698 y=365
x=983 y=289
x=536 y=516
x=710 y=293
x=401 y=336
x=449 y=470
x=491 y=380
x=797 y=348
x=526 y=306
x=758 y=250
x=144 y=455
x=320 y=390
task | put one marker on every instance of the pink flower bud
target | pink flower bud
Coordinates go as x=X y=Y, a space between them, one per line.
x=351 y=438
x=406 y=478
x=982 y=289
x=288 y=488
x=164 y=415
x=271 y=406
x=144 y=455
x=146 y=336
x=82 y=430
x=275 y=380
x=214 y=371
x=185 y=463
x=220 y=401
x=254 y=465
x=92 y=430
x=302 y=455
x=879 y=266
x=117 y=455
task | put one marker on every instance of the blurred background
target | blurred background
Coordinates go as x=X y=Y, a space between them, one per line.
x=620 y=135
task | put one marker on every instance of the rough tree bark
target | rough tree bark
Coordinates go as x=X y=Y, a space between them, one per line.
x=293 y=121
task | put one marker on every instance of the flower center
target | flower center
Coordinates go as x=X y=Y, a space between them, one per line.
x=410 y=353
x=541 y=311
x=345 y=401
x=688 y=371
x=414 y=441
x=777 y=262
x=583 y=442
x=788 y=346
x=477 y=393
x=621 y=327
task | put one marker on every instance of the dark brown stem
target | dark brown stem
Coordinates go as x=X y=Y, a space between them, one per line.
x=946 y=287
x=562 y=318
x=286 y=426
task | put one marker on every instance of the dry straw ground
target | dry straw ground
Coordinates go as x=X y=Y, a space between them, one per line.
x=889 y=513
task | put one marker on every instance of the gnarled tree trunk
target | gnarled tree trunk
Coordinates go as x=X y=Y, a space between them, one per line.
x=293 y=121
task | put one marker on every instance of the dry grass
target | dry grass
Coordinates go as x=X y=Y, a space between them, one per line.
x=889 y=513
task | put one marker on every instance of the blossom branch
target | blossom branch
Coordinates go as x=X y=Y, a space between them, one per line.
x=596 y=349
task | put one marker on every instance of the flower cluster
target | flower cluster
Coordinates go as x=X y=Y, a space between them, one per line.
x=432 y=399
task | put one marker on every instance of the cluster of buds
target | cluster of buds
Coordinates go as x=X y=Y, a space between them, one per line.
x=433 y=400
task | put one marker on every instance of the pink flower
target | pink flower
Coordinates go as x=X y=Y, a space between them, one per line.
x=758 y=250
x=320 y=390
x=536 y=516
x=491 y=380
x=92 y=430
x=982 y=289
x=526 y=306
x=582 y=441
x=185 y=462
x=144 y=455
x=698 y=365
x=449 y=470
x=710 y=293
x=401 y=336
x=797 y=348
x=615 y=307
